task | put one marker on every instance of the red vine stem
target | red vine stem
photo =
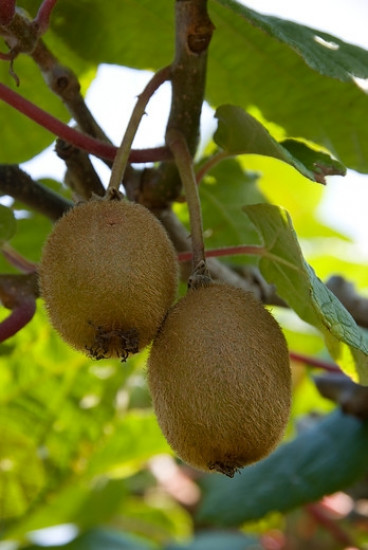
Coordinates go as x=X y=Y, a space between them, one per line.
x=18 y=318
x=42 y=19
x=65 y=132
x=226 y=251
x=7 y=11
x=17 y=260
x=321 y=517
x=314 y=362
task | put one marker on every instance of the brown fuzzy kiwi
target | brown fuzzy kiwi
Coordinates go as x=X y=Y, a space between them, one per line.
x=108 y=275
x=220 y=380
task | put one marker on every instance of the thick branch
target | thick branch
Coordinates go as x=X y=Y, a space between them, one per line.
x=188 y=71
x=19 y=185
x=188 y=76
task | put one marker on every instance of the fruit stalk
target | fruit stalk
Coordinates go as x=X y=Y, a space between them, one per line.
x=178 y=145
x=123 y=152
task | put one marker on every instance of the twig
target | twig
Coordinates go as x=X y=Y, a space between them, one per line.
x=123 y=153
x=81 y=175
x=64 y=83
x=18 y=184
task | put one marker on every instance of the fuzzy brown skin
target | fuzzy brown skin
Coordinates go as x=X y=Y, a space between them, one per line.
x=108 y=275
x=220 y=380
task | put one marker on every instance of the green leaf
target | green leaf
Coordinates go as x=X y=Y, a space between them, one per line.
x=101 y=538
x=222 y=193
x=8 y=224
x=318 y=162
x=324 y=459
x=134 y=440
x=263 y=61
x=323 y=52
x=239 y=132
x=283 y=265
x=139 y=34
x=218 y=540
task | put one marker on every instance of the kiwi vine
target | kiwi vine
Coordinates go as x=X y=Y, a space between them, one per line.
x=218 y=365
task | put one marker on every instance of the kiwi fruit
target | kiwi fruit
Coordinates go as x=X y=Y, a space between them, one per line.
x=219 y=377
x=108 y=275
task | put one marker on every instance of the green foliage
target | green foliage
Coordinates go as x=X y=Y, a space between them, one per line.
x=239 y=132
x=282 y=264
x=323 y=459
x=251 y=66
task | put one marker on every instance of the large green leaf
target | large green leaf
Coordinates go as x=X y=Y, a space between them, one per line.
x=136 y=34
x=254 y=59
x=283 y=265
x=264 y=61
x=322 y=460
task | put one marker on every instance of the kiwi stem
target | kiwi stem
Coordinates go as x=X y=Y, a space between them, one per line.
x=122 y=155
x=184 y=162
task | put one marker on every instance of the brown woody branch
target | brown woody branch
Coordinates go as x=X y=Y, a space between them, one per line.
x=18 y=184
x=188 y=77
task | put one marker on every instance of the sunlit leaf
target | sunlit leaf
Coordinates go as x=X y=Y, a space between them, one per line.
x=283 y=265
x=320 y=461
x=296 y=80
x=238 y=133
x=22 y=473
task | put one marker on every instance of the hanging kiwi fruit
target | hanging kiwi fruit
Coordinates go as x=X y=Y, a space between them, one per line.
x=108 y=275
x=218 y=369
x=219 y=377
